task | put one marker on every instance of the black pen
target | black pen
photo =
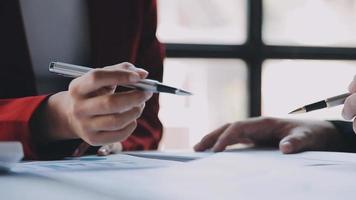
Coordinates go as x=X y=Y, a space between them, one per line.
x=327 y=103
x=74 y=71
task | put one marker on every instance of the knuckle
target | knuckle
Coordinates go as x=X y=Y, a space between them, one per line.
x=108 y=103
x=73 y=88
x=126 y=65
x=123 y=76
x=77 y=110
x=268 y=120
x=95 y=75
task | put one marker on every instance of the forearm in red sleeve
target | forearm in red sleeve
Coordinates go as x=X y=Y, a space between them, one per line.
x=15 y=116
x=149 y=130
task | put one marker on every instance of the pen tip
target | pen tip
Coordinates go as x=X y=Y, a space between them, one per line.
x=182 y=92
x=297 y=111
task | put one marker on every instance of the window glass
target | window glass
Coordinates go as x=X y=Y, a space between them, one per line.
x=202 y=21
x=310 y=22
x=219 y=88
x=290 y=84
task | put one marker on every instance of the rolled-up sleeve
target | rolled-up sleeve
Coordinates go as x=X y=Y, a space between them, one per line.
x=346 y=131
x=15 y=116
x=151 y=54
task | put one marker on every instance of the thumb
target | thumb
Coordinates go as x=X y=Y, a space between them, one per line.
x=110 y=149
x=296 y=141
x=352 y=86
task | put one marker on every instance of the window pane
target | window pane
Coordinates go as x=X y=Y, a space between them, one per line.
x=310 y=22
x=289 y=84
x=220 y=95
x=202 y=21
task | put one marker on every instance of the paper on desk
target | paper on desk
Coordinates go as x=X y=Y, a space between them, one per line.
x=247 y=174
x=177 y=155
x=10 y=154
x=92 y=163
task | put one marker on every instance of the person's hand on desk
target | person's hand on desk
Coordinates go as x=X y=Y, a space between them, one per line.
x=92 y=111
x=349 y=110
x=291 y=136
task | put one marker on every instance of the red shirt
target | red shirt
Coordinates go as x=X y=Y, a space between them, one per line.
x=121 y=31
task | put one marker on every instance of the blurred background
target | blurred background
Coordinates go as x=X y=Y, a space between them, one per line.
x=245 y=58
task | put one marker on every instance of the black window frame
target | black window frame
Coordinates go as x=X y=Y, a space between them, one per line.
x=254 y=52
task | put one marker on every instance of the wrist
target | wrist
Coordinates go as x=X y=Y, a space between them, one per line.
x=56 y=119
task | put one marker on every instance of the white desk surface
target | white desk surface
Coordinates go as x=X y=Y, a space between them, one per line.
x=241 y=174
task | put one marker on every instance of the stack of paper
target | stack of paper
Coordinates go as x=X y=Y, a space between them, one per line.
x=10 y=154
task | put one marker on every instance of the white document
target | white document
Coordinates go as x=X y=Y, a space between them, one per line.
x=182 y=156
x=92 y=163
x=10 y=154
x=243 y=174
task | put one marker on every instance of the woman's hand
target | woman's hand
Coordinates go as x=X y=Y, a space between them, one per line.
x=90 y=109
x=349 y=111
x=291 y=136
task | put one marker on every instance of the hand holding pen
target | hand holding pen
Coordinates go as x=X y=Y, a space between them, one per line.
x=327 y=103
x=349 y=110
x=142 y=84
x=92 y=111
x=348 y=99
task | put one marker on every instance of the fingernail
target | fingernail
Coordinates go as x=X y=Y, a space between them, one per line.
x=141 y=70
x=196 y=147
x=103 y=152
x=134 y=78
x=286 y=147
